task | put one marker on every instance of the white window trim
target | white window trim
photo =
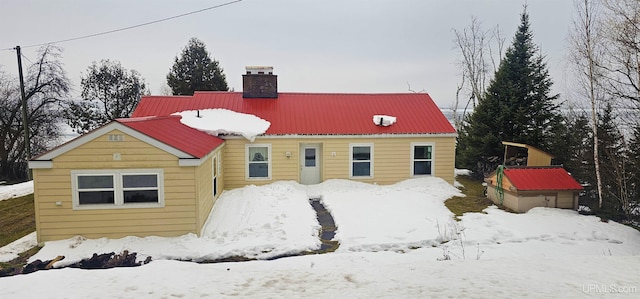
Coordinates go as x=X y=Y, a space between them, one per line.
x=433 y=158
x=215 y=173
x=351 y=146
x=246 y=161
x=118 y=189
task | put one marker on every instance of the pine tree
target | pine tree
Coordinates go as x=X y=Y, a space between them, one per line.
x=517 y=107
x=571 y=145
x=195 y=70
x=615 y=167
x=634 y=168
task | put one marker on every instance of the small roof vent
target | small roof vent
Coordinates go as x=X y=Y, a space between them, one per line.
x=384 y=120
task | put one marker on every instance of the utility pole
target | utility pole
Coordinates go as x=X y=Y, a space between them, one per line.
x=25 y=121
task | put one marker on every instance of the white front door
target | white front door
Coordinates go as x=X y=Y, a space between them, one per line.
x=310 y=164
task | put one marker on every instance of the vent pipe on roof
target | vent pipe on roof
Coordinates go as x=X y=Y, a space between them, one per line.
x=259 y=82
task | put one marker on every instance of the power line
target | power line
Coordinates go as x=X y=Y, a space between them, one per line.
x=129 y=27
x=27 y=58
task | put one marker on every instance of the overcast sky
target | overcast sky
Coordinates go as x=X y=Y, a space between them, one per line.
x=355 y=46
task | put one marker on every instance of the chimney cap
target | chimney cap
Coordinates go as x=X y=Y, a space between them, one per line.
x=256 y=69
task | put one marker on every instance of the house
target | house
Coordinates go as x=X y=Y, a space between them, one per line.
x=538 y=184
x=314 y=137
x=155 y=174
x=523 y=188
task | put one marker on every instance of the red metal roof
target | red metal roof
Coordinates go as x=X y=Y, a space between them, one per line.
x=169 y=130
x=541 y=178
x=315 y=113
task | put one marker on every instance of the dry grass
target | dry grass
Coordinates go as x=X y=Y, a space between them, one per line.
x=473 y=202
x=17 y=218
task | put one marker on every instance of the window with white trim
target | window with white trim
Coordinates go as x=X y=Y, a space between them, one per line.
x=258 y=161
x=215 y=168
x=96 y=189
x=361 y=160
x=421 y=159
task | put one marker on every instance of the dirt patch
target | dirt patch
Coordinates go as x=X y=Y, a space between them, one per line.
x=97 y=261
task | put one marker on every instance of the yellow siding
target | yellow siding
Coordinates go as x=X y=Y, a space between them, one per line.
x=506 y=183
x=204 y=183
x=525 y=200
x=392 y=158
x=537 y=157
x=177 y=217
x=566 y=200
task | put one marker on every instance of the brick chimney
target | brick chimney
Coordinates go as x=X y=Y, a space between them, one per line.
x=259 y=82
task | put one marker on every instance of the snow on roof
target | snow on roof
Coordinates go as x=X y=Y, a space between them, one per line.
x=170 y=131
x=384 y=120
x=223 y=121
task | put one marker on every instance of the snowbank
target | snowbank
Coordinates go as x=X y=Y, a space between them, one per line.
x=11 y=251
x=393 y=240
x=16 y=190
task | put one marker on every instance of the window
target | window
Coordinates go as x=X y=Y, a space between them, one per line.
x=310 y=157
x=140 y=188
x=258 y=161
x=215 y=168
x=361 y=160
x=422 y=159
x=95 y=189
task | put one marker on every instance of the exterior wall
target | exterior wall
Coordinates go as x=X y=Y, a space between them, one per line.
x=524 y=201
x=567 y=200
x=204 y=186
x=177 y=217
x=506 y=183
x=528 y=201
x=537 y=157
x=510 y=199
x=391 y=158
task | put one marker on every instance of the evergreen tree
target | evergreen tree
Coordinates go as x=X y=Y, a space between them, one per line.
x=109 y=91
x=195 y=70
x=517 y=107
x=634 y=168
x=570 y=145
x=615 y=168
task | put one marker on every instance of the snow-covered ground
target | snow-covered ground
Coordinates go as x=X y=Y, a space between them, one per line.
x=16 y=190
x=396 y=241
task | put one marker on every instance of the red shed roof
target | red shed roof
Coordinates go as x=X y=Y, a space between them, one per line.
x=170 y=131
x=541 y=178
x=316 y=113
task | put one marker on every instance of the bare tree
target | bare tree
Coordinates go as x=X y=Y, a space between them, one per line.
x=586 y=54
x=46 y=85
x=622 y=62
x=474 y=45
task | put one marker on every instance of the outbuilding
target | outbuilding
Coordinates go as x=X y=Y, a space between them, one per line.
x=522 y=188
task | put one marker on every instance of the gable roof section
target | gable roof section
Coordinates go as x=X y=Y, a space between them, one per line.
x=166 y=133
x=169 y=130
x=541 y=178
x=316 y=113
